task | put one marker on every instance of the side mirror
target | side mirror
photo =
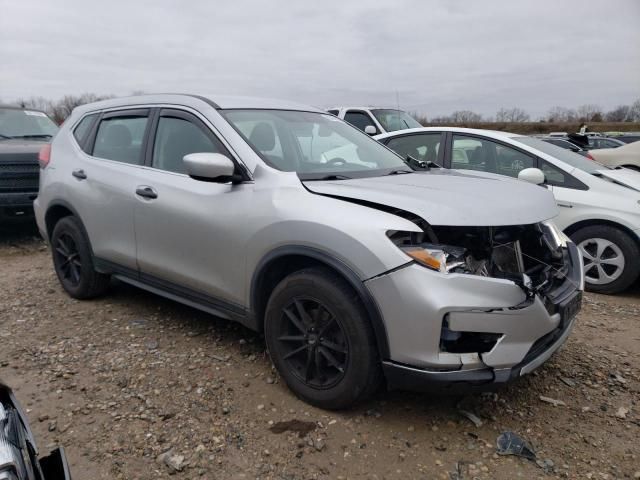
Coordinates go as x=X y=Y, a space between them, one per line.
x=370 y=130
x=209 y=166
x=532 y=175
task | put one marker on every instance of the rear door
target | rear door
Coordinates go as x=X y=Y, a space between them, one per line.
x=103 y=182
x=190 y=233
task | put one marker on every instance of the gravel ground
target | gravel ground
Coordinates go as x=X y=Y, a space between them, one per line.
x=136 y=386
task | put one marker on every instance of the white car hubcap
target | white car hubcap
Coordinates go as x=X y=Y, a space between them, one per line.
x=603 y=260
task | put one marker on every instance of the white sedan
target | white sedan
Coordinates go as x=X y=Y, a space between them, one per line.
x=599 y=206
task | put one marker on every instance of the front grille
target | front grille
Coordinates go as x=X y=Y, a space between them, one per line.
x=17 y=177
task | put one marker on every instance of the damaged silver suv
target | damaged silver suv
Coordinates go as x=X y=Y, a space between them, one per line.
x=359 y=266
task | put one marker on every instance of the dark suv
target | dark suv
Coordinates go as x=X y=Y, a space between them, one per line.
x=23 y=132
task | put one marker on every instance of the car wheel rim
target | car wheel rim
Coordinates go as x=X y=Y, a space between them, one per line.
x=312 y=343
x=603 y=260
x=68 y=259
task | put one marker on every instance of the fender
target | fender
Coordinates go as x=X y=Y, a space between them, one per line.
x=343 y=269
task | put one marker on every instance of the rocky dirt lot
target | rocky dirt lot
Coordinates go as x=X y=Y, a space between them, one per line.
x=138 y=387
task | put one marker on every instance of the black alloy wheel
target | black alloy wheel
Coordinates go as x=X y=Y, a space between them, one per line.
x=313 y=343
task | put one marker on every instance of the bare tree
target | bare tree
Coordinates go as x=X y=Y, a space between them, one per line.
x=465 y=116
x=63 y=107
x=618 y=114
x=561 y=114
x=514 y=114
x=36 y=103
x=634 y=112
x=589 y=113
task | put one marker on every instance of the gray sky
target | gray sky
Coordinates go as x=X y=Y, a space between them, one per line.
x=439 y=55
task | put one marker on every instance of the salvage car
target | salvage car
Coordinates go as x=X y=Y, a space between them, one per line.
x=18 y=451
x=374 y=121
x=357 y=267
x=22 y=134
x=599 y=206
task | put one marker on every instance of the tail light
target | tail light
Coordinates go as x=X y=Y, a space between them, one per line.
x=590 y=157
x=44 y=156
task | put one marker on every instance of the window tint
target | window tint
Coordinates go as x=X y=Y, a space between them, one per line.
x=177 y=137
x=488 y=156
x=421 y=147
x=359 y=120
x=82 y=129
x=120 y=139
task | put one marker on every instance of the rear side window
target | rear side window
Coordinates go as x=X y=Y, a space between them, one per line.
x=81 y=132
x=333 y=112
x=120 y=138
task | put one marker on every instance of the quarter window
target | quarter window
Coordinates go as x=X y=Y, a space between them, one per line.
x=421 y=147
x=120 y=138
x=488 y=156
x=359 y=120
x=177 y=137
x=82 y=129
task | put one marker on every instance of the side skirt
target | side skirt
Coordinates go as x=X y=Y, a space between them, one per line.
x=186 y=296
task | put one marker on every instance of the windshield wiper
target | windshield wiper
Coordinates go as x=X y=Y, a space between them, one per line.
x=33 y=135
x=398 y=172
x=333 y=176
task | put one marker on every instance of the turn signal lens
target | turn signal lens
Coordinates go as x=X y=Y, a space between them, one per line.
x=435 y=259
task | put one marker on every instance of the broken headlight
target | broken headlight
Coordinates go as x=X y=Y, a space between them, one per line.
x=441 y=258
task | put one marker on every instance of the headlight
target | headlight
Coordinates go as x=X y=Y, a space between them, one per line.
x=441 y=258
x=558 y=236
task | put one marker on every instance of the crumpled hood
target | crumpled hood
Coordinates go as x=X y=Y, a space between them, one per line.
x=623 y=176
x=450 y=197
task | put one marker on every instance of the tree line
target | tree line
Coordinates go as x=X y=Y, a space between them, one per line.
x=558 y=114
x=60 y=109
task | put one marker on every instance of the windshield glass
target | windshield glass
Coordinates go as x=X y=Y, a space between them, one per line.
x=392 y=120
x=15 y=123
x=567 y=156
x=314 y=145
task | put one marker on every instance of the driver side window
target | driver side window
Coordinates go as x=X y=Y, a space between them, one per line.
x=474 y=153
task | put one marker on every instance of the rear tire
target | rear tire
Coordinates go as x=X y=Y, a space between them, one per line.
x=73 y=261
x=320 y=339
x=611 y=258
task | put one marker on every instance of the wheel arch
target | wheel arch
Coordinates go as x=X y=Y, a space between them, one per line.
x=571 y=229
x=56 y=211
x=285 y=260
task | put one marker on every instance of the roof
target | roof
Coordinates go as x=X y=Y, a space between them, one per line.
x=215 y=101
x=477 y=131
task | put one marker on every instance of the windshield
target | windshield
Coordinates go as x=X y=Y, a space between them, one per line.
x=567 y=156
x=392 y=120
x=16 y=123
x=314 y=145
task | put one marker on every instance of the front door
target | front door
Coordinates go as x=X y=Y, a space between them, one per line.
x=190 y=233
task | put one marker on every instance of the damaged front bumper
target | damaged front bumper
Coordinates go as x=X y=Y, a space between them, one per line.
x=512 y=331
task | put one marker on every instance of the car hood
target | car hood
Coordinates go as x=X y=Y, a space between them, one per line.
x=449 y=197
x=622 y=176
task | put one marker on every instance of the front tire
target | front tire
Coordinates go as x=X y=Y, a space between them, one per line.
x=611 y=258
x=320 y=339
x=73 y=261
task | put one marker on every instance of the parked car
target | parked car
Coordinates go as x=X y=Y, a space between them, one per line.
x=627 y=137
x=22 y=134
x=375 y=121
x=626 y=156
x=596 y=143
x=298 y=225
x=598 y=206
x=19 y=458
x=566 y=144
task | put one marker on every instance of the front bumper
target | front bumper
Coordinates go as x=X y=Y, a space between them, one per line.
x=416 y=302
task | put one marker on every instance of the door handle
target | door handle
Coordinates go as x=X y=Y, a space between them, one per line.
x=146 y=192
x=566 y=205
x=79 y=174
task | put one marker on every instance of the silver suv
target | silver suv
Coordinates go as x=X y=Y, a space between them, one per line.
x=359 y=266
